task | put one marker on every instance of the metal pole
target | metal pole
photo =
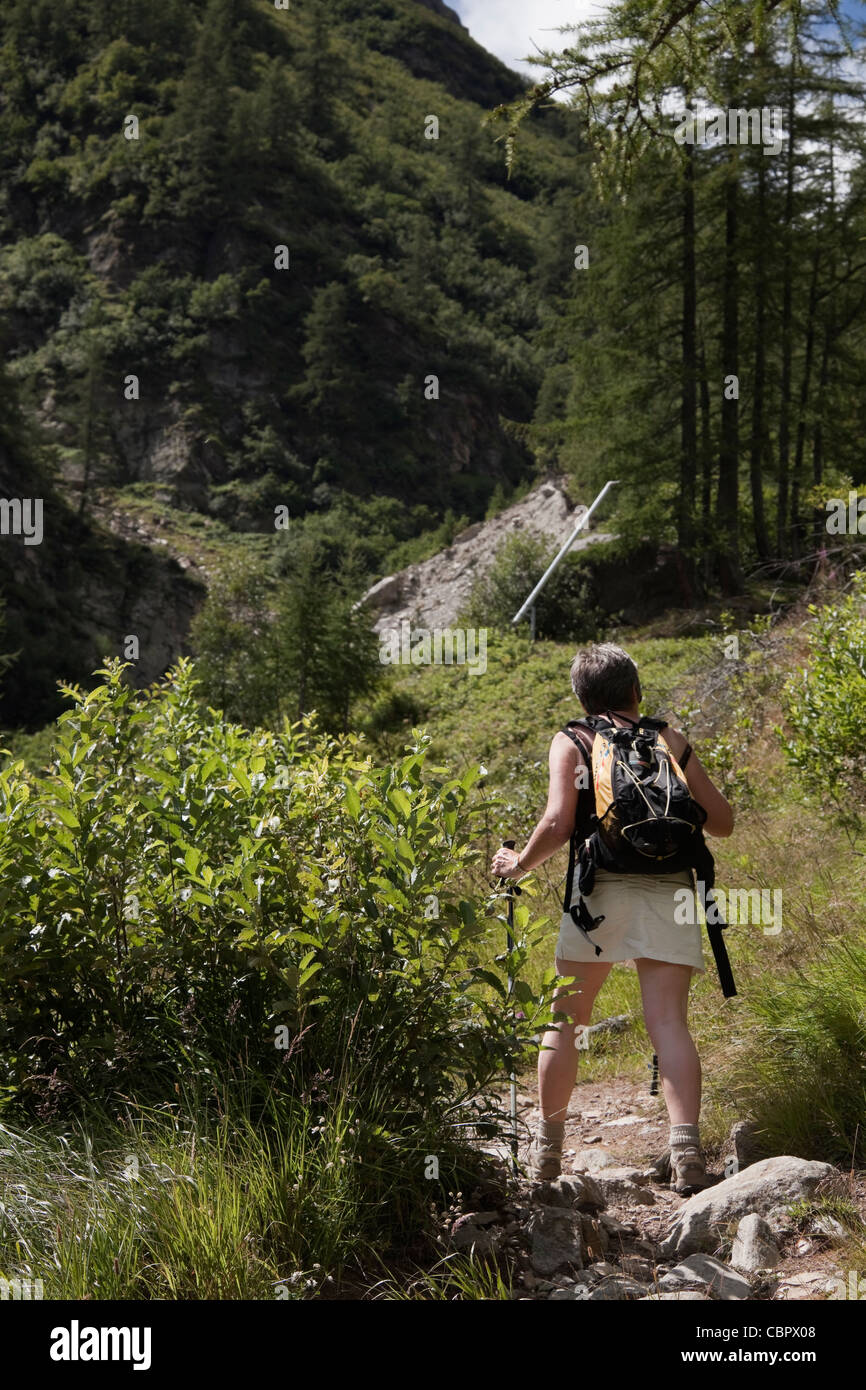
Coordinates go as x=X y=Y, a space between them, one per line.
x=509 y=844
x=572 y=538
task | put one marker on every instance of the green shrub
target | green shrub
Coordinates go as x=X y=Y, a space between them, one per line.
x=825 y=706
x=182 y=898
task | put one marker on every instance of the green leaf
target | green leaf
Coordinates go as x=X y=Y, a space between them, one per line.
x=400 y=801
x=243 y=781
x=352 y=800
x=489 y=978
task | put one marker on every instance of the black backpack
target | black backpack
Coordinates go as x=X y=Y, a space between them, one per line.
x=638 y=817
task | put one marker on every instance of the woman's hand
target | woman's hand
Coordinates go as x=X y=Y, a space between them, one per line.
x=504 y=864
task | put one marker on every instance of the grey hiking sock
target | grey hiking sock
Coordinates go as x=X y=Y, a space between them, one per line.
x=551 y=1131
x=685 y=1137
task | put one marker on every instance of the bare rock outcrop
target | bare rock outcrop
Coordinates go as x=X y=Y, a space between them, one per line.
x=430 y=594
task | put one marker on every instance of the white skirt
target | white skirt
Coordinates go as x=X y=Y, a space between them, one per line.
x=639 y=921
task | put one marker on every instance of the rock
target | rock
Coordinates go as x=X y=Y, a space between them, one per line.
x=637 y=1267
x=779 y=1219
x=432 y=592
x=616 y=1289
x=590 y=1160
x=466 y=1236
x=620 y=1229
x=623 y=1120
x=829 y=1226
x=574 y=1292
x=618 y=1185
x=576 y=1190
x=754 y=1245
x=682 y=1296
x=720 y=1281
x=810 y=1285
x=556 y=1239
x=603 y=1170
x=762 y=1187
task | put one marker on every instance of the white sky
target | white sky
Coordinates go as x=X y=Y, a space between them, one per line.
x=513 y=28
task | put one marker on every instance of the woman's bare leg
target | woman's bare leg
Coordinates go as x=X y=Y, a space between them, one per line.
x=557 y=1068
x=665 y=993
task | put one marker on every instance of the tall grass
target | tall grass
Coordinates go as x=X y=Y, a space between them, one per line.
x=177 y=1203
x=802 y=1072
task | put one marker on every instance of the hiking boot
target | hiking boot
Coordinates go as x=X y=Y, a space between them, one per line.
x=661 y=1167
x=545 y=1159
x=688 y=1171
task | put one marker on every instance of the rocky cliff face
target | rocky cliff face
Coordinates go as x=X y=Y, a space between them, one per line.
x=74 y=598
x=431 y=594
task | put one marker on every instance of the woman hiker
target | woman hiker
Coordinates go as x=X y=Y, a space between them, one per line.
x=639 y=925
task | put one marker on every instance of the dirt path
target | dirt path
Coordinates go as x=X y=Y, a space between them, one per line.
x=616 y=1122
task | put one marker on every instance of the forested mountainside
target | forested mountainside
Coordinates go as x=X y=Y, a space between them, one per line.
x=237 y=272
x=282 y=256
x=256 y=258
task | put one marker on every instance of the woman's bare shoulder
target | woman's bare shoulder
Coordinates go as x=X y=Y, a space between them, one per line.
x=675 y=739
x=566 y=747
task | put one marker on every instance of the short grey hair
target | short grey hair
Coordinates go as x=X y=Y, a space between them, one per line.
x=603 y=677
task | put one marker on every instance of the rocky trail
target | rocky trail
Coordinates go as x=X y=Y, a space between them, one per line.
x=610 y=1228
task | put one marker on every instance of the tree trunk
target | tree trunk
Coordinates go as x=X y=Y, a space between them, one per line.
x=796 y=522
x=787 y=302
x=758 y=445
x=688 y=405
x=706 y=467
x=727 y=498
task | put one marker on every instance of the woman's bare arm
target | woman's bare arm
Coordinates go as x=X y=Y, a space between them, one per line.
x=557 y=822
x=720 y=813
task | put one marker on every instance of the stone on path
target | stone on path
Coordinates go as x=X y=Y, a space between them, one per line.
x=683 y=1296
x=808 y=1285
x=754 y=1245
x=720 y=1281
x=762 y=1188
x=572 y=1190
x=590 y=1160
x=624 y=1185
x=556 y=1239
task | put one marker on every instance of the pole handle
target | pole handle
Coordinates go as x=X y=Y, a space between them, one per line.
x=513 y=889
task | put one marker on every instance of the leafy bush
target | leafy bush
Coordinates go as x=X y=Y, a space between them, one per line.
x=825 y=706
x=182 y=898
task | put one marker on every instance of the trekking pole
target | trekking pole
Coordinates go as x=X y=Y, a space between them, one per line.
x=510 y=844
x=653 y=1066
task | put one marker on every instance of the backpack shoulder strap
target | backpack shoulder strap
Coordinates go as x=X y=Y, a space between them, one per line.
x=650 y=723
x=573 y=730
